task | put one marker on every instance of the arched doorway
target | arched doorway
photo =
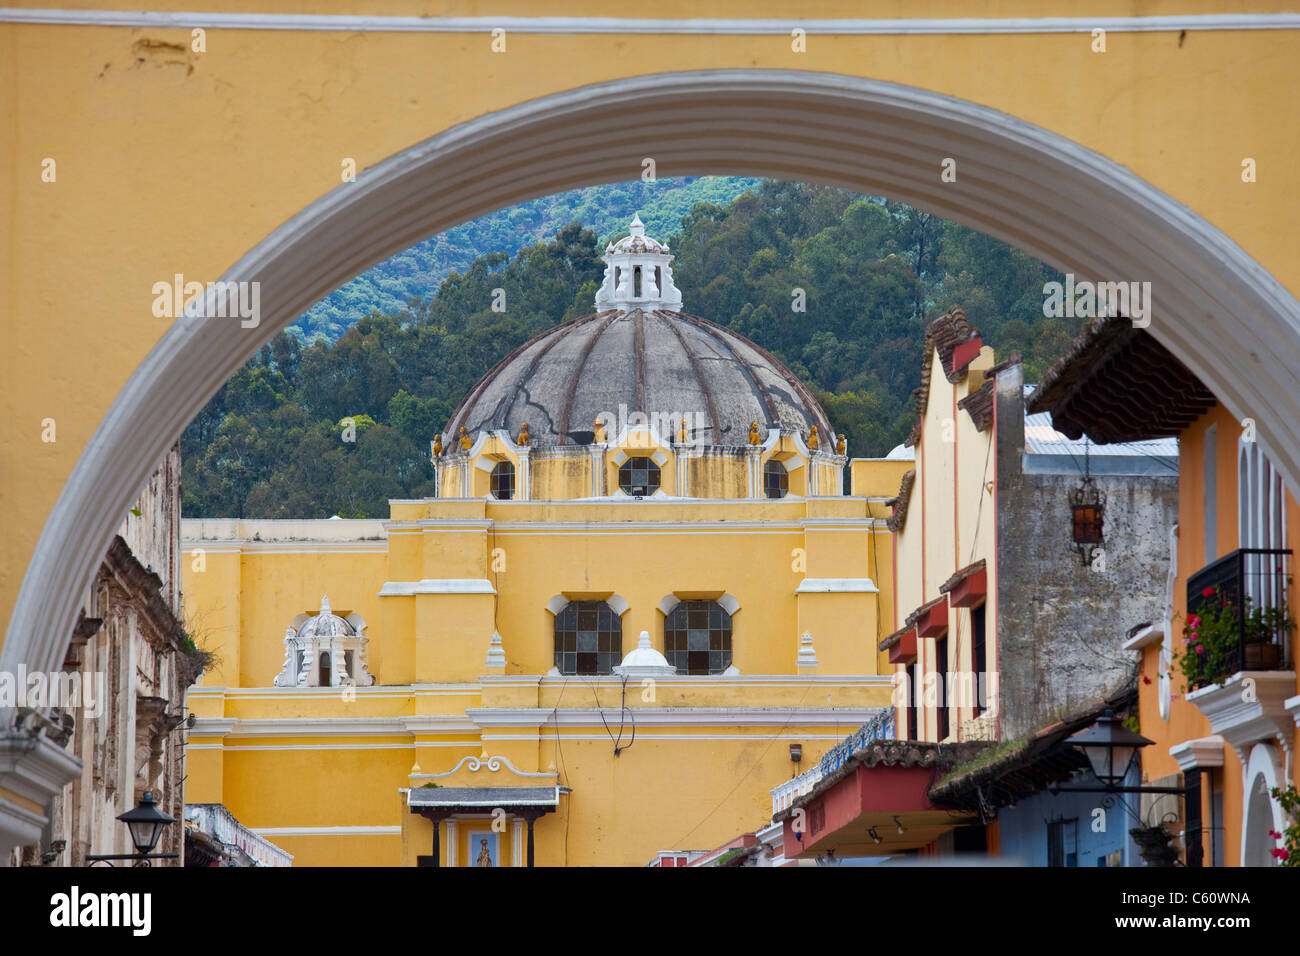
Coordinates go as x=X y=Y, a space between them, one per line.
x=1262 y=812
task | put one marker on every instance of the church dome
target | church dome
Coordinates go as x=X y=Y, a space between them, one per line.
x=667 y=365
x=638 y=359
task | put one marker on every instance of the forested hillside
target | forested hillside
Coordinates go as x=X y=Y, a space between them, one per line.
x=271 y=443
x=418 y=271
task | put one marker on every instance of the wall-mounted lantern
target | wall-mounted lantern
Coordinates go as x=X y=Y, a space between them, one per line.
x=1088 y=508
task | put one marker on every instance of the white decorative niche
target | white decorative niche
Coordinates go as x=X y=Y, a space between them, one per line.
x=341 y=641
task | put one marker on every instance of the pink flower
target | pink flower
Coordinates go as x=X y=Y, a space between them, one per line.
x=1193 y=635
x=1200 y=649
x=1286 y=854
x=1274 y=834
x=1193 y=621
x=1208 y=592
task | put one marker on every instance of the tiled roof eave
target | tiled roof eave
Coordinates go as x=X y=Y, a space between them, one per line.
x=961 y=575
x=896 y=521
x=1118 y=384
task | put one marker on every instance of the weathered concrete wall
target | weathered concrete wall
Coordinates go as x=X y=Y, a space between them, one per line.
x=1060 y=624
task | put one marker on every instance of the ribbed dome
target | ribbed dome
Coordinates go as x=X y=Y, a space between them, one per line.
x=656 y=362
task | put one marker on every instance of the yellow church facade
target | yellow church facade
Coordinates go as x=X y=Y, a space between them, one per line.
x=600 y=641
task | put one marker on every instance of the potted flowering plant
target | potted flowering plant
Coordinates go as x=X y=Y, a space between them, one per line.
x=1214 y=633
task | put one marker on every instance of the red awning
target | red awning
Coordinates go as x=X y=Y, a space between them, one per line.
x=932 y=618
x=861 y=813
x=969 y=586
x=904 y=651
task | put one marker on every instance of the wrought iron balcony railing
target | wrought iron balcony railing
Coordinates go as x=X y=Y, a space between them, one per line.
x=880 y=727
x=1250 y=586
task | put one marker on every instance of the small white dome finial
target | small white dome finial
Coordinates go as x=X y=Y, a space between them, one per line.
x=645 y=661
x=638 y=274
x=324 y=604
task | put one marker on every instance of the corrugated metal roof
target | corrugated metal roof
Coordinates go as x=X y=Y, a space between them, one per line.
x=1042 y=439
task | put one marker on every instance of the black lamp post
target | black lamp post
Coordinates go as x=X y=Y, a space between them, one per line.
x=1111 y=748
x=146 y=824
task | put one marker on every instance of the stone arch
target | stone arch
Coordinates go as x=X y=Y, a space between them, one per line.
x=1023 y=184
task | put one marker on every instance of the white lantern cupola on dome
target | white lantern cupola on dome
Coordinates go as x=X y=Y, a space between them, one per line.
x=638 y=274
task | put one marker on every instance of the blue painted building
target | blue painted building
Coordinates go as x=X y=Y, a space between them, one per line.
x=1072 y=829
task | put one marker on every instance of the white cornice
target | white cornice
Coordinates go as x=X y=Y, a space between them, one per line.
x=1198 y=754
x=375 y=691
x=836 y=586
x=303 y=546
x=847 y=522
x=363 y=23
x=849 y=718
x=327 y=831
x=438 y=724
x=533 y=680
x=212 y=726
x=756 y=680
x=34 y=767
x=333 y=726
x=589 y=528
x=437 y=586
x=1248 y=707
x=500 y=680
x=1148 y=635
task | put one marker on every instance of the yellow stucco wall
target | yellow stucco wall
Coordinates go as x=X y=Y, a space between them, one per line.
x=317 y=769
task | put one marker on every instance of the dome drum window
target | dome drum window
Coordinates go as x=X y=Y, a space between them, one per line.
x=697 y=637
x=502 y=482
x=776 y=480
x=638 y=477
x=588 y=638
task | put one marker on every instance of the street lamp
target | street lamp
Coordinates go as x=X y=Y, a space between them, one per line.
x=1109 y=747
x=146 y=823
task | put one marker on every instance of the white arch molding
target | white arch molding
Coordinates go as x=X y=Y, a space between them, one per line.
x=1260 y=812
x=1232 y=324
